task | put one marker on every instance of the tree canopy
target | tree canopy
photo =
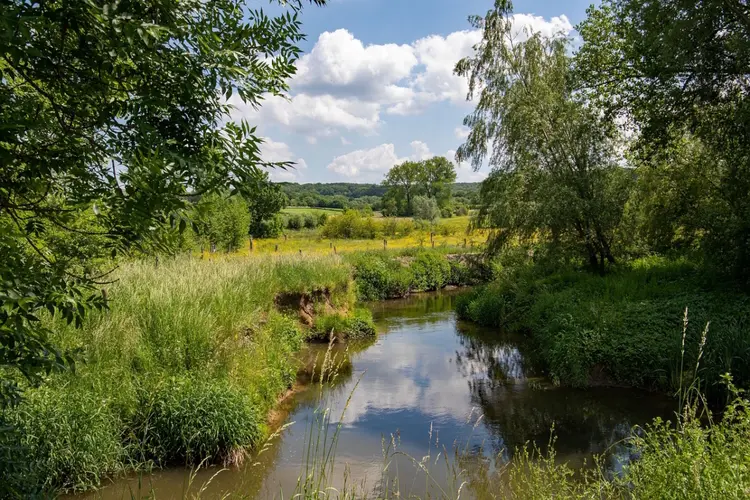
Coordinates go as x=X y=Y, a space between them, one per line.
x=121 y=109
x=432 y=178
x=553 y=158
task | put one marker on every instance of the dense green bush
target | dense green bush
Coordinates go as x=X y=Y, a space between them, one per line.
x=184 y=420
x=294 y=222
x=378 y=276
x=350 y=225
x=625 y=328
x=431 y=271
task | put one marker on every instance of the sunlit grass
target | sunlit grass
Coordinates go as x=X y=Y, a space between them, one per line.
x=447 y=233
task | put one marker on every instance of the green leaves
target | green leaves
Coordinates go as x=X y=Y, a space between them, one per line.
x=119 y=106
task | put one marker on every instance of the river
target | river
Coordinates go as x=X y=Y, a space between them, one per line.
x=429 y=383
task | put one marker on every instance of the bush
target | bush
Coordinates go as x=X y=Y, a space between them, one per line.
x=294 y=222
x=65 y=437
x=309 y=221
x=185 y=420
x=379 y=277
x=430 y=270
x=350 y=225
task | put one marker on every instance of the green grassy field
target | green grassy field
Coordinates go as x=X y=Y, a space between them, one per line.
x=310 y=210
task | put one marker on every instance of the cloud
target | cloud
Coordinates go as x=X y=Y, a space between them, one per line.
x=340 y=65
x=461 y=132
x=365 y=164
x=275 y=151
x=345 y=85
x=464 y=171
x=370 y=165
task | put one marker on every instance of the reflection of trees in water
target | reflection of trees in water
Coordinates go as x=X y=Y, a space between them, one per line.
x=516 y=412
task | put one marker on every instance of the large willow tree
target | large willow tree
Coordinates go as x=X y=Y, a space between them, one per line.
x=554 y=175
x=118 y=110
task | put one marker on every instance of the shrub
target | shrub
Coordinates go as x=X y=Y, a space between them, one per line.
x=379 y=277
x=622 y=329
x=64 y=437
x=184 y=420
x=294 y=222
x=309 y=221
x=431 y=271
x=350 y=225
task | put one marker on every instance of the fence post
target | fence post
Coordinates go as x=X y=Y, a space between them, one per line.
x=334 y=250
x=385 y=244
x=277 y=248
x=251 y=243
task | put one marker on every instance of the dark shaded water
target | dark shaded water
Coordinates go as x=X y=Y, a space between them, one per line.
x=427 y=380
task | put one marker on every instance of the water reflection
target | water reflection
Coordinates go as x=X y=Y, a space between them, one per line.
x=428 y=373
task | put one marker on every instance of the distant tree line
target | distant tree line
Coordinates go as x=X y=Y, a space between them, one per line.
x=363 y=196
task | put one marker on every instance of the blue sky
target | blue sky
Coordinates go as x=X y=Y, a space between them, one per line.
x=375 y=86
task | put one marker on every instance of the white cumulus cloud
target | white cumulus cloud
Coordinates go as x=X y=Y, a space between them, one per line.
x=274 y=151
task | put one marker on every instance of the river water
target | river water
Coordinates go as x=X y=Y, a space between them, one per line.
x=429 y=383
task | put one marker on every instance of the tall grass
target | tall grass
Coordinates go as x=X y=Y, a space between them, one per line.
x=184 y=366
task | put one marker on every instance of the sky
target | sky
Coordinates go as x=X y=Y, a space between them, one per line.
x=375 y=86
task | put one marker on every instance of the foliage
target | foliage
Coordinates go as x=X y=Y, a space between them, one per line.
x=426 y=209
x=223 y=221
x=186 y=420
x=432 y=178
x=264 y=205
x=430 y=271
x=378 y=276
x=350 y=225
x=674 y=71
x=622 y=329
x=555 y=174
x=358 y=325
x=119 y=109
x=174 y=370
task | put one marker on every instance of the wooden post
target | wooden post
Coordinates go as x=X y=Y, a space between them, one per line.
x=284 y=236
x=104 y=294
x=334 y=250
x=251 y=242
x=201 y=251
x=300 y=251
x=385 y=244
x=464 y=242
x=432 y=238
x=156 y=262
x=433 y=243
x=277 y=248
x=330 y=244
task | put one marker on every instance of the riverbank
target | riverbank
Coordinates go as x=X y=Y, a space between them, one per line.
x=186 y=365
x=624 y=329
x=188 y=362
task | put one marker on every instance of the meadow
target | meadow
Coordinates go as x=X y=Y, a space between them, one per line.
x=447 y=233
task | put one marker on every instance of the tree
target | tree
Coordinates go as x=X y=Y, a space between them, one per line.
x=437 y=176
x=223 y=221
x=403 y=182
x=677 y=70
x=264 y=204
x=554 y=167
x=432 y=178
x=426 y=209
x=121 y=109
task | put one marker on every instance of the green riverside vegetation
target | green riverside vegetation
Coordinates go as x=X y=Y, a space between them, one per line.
x=184 y=366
